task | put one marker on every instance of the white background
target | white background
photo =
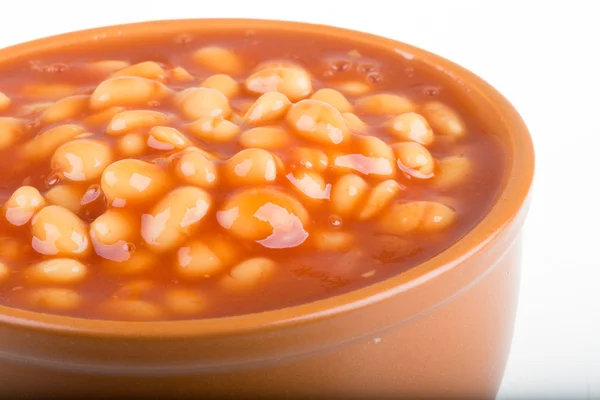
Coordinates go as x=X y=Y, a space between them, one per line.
x=544 y=57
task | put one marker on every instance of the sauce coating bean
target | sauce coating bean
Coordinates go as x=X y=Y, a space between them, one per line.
x=22 y=205
x=294 y=83
x=419 y=215
x=57 y=271
x=127 y=91
x=81 y=160
x=223 y=83
x=218 y=59
x=56 y=231
x=318 y=121
x=195 y=103
x=411 y=127
x=269 y=107
x=131 y=181
x=251 y=166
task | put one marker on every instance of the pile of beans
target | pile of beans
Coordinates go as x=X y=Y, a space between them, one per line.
x=210 y=178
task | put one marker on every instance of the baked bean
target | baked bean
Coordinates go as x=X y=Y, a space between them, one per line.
x=146 y=69
x=195 y=168
x=139 y=261
x=267 y=108
x=265 y=215
x=318 y=121
x=310 y=184
x=46 y=143
x=22 y=205
x=424 y=216
x=57 y=231
x=379 y=198
x=293 y=82
x=133 y=181
x=56 y=299
x=228 y=249
x=197 y=261
x=66 y=108
x=127 y=91
x=354 y=88
x=112 y=234
x=11 y=130
x=213 y=129
x=333 y=98
x=451 y=171
x=81 y=160
x=354 y=123
x=127 y=121
x=185 y=301
x=67 y=196
x=444 y=120
x=27 y=110
x=5 y=101
x=49 y=91
x=218 y=59
x=195 y=103
x=175 y=217
x=309 y=158
x=56 y=271
x=249 y=274
x=181 y=74
x=102 y=117
x=347 y=193
x=333 y=240
x=4 y=272
x=224 y=84
x=251 y=166
x=133 y=310
x=384 y=104
x=13 y=249
x=371 y=156
x=414 y=159
x=265 y=137
x=411 y=127
x=106 y=66
x=131 y=144
x=167 y=138
x=271 y=64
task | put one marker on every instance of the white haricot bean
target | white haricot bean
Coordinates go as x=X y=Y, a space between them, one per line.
x=22 y=205
x=347 y=193
x=68 y=196
x=310 y=184
x=309 y=158
x=47 y=142
x=11 y=130
x=57 y=231
x=268 y=108
x=213 y=129
x=379 y=198
x=371 y=156
x=197 y=261
x=185 y=301
x=224 y=84
x=195 y=168
x=175 y=217
x=105 y=67
x=102 y=117
x=56 y=271
x=48 y=91
x=318 y=121
x=249 y=274
x=132 y=144
x=333 y=240
x=141 y=260
x=334 y=98
x=451 y=171
x=251 y=167
x=27 y=110
x=218 y=59
x=424 y=216
x=4 y=272
x=130 y=120
x=112 y=234
x=194 y=103
x=384 y=104
x=66 y=108
x=265 y=215
x=131 y=181
x=293 y=82
x=354 y=123
x=55 y=299
x=414 y=159
x=180 y=74
x=411 y=127
x=353 y=88
x=444 y=120
x=167 y=138
x=266 y=137
x=81 y=160
x=127 y=91
x=146 y=69
x=4 y=101
x=132 y=310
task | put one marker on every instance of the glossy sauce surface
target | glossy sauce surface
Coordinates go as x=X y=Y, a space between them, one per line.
x=194 y=177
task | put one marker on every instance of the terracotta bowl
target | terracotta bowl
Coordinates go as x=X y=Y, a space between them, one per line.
x=442 y=329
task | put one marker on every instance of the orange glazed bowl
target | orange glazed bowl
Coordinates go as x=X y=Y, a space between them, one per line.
x=440 y=329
